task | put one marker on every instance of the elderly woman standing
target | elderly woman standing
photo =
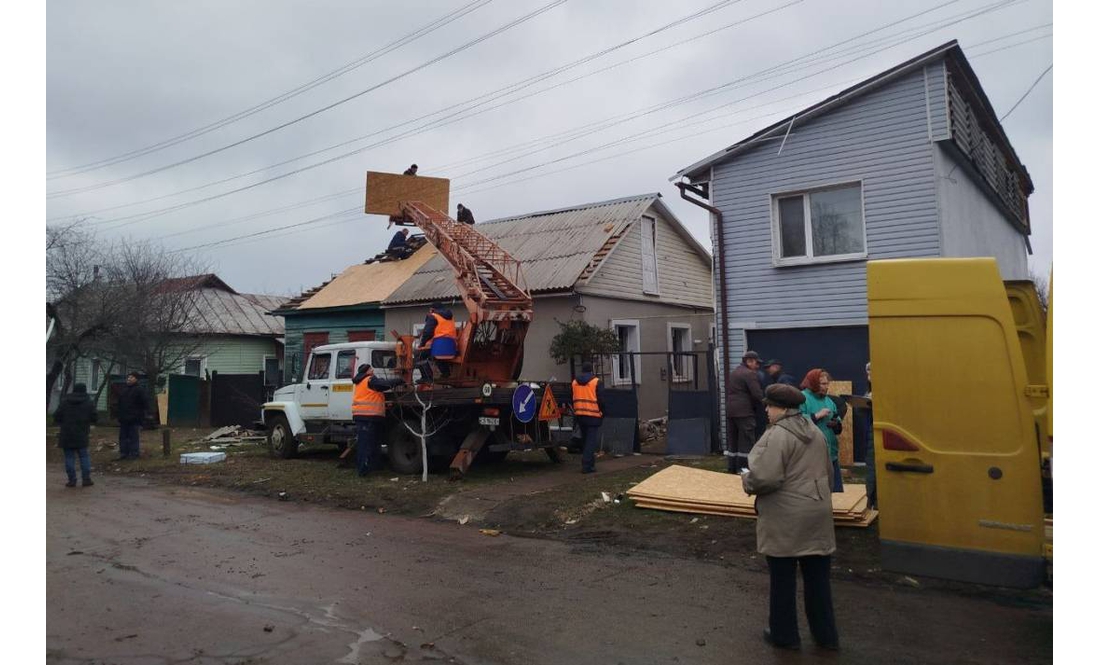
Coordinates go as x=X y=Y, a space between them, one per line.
x=822 y=411
x=790 y=474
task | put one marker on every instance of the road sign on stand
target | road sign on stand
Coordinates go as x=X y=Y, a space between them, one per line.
x=523 y=403
x=549 y=410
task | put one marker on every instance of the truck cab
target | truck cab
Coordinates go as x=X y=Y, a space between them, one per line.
x=318 y=409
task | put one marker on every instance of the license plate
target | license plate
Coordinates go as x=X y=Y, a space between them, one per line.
x=489 y=422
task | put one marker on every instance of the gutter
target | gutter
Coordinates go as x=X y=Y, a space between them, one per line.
x=703 y=191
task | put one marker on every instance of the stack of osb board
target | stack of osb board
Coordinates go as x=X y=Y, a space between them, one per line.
x=386 y=191
x=688 y=490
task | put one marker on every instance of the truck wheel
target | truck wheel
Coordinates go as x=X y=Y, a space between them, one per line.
x=403 y=449
x=280 y=440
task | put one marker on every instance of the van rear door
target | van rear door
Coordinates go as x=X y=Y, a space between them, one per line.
x=956 y=452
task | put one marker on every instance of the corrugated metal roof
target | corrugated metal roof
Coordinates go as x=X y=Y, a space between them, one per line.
x=221 y=312
x=554 y=247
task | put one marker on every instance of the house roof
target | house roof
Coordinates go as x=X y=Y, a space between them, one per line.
x=951 y=50
x=223 y=311
x=367 y=283
x=555 y=247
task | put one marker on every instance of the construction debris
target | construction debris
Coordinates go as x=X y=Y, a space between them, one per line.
x=687 y=490
x=201 y=458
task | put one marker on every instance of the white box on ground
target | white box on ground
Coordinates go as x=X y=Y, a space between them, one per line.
x=201 y=458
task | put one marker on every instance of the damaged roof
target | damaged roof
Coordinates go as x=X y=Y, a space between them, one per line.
x=554 y=247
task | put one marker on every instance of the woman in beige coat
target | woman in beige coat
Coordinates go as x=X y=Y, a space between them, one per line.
x=791 y=476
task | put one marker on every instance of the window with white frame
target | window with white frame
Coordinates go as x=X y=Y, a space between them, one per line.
x=819 y=225
x=679 y=344
x=649 y=256
x=193 y=366
x=628 y=332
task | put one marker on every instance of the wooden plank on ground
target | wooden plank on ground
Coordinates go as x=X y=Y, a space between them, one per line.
x=712 y=488
x=385 y=191
x=844 y=439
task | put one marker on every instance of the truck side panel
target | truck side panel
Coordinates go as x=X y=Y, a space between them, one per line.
x=955 y=432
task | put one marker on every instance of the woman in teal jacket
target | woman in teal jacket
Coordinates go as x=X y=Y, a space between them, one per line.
x=821 y=410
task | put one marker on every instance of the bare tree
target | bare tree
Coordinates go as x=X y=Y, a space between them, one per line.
x=1042 y=288
x=424 y=406
x=131 y=304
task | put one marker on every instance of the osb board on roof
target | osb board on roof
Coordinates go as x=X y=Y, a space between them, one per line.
x=844 y=439
x=385 y=191
x=368 y=283
x=682 y=483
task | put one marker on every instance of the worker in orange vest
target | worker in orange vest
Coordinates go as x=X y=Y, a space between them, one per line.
x=588 y=410
x=438 y=340
x=368 y=411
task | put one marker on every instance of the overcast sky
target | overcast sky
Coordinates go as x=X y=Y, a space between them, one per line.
x=126 y=75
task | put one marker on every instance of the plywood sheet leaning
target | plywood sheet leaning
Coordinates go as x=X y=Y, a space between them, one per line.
x=685 y=489
x=844 y=439
x=385 y=191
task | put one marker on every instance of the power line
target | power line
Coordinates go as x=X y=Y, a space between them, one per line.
x=1021 y=99
x=294 y=92
x=662 y=129
x=936 y=25
x=482 y=99
x=469 y=44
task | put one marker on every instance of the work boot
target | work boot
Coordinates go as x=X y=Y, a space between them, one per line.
x=87 y=482
x=71 y=483
x=794 y=646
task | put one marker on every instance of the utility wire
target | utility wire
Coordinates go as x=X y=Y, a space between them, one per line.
x=305 y=87
x=483 y=99
x=965 y=16
x=463 y=47
x=1021 y=99
x=468 y=188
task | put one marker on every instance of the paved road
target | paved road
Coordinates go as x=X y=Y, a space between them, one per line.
x=143 y=573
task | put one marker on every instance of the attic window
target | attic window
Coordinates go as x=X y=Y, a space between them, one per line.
x=817 y=226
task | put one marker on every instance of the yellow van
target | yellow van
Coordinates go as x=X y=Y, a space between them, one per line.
x=962 y=428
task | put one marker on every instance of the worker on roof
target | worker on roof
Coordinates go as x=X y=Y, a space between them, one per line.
x=399 y=245
x=438 y=340
x=411 y=170
x=464 y=215
x=368 y=411
x=588 y=403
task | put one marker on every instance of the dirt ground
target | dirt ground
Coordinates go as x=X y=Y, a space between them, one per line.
x=527 y=495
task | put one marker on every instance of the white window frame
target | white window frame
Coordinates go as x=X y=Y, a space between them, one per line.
x=778 y=260
x=202 y=366
x=627 y=323
x=688 y=374
x=646 y=220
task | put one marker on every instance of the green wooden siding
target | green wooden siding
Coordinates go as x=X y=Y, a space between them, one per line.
x=336 y=324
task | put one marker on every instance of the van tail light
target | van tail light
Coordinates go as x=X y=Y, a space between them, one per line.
x=894 y=441
x=492 y=412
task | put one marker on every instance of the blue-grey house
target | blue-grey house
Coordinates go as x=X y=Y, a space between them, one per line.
x=911 y=162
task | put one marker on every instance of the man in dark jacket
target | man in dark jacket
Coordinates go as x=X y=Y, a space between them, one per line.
x=464 y=215
x=744 y=398
x=773 y=373
x=132 y=405
x=368 y=411
x=76 y=415
x=588 y=410
x=399 y=245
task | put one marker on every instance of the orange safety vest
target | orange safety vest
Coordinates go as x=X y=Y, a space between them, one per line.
x=444 y=328
x=367 y=402
x=584 y=399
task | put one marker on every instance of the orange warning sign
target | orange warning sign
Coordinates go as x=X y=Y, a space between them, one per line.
x=549 y=409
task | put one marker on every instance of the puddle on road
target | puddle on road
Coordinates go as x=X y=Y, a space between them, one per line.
x=366 y=636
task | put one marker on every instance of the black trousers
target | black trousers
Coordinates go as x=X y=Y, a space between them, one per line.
x=743 y=433
x=366 y=444
x=590 y=430
x=783 y=612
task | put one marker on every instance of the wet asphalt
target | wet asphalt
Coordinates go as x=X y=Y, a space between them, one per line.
x=144 y=573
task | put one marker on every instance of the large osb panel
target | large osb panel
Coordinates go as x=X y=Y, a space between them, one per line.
x=368 y=283
x=385 y=191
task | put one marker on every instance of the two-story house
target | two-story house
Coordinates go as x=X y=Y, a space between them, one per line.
x=911 y=162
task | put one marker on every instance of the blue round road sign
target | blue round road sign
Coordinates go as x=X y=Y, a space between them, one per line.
x=524 y=404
